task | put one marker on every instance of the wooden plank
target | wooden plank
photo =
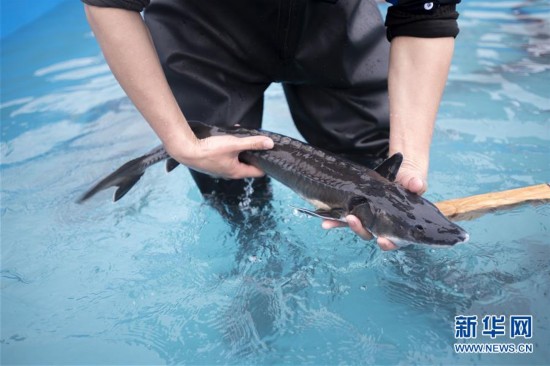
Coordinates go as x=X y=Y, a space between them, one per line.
x=468 y=208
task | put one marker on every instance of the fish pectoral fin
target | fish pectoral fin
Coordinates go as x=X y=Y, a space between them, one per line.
x=335 y=214
x=365 y=214
x=389 y=167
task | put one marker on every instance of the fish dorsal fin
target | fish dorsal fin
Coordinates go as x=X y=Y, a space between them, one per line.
x=389 y=167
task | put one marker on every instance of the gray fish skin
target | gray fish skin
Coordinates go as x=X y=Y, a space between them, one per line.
x=385 y=208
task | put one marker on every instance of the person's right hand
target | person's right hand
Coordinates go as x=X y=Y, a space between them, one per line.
x=219 y=156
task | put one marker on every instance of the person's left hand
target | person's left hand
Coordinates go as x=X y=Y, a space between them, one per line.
x=409 y=177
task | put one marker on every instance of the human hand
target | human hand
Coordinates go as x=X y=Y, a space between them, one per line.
x=412 y=176
x=219 y=156
x=409 y=176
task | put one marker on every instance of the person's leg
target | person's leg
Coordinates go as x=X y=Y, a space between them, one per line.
x=337 y=89
x=210 y=76
x=342 y=121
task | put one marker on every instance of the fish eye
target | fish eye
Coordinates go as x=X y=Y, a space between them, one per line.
x=419 y=228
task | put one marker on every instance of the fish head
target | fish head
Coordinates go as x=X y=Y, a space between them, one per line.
x=407 y=218
x=430 y=230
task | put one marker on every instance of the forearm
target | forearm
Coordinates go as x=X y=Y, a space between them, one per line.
x=418 y=72
x=130 y=53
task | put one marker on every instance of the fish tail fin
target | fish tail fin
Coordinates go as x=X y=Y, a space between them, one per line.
x=124 y=178
x=126 y=186
x=127 y=175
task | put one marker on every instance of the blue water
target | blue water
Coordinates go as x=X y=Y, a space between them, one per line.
x=17 y=14
x=160 y=278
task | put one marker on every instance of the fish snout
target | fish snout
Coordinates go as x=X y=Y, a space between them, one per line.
x=464 y=237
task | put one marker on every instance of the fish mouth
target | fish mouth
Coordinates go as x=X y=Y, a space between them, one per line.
x=402 y=243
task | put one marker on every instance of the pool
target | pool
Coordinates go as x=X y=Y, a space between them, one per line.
x=160 y=278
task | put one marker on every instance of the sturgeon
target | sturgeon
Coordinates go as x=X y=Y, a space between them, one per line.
x=335 y=186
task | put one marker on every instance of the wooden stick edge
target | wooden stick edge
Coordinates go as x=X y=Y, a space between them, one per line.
x=468 y=208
